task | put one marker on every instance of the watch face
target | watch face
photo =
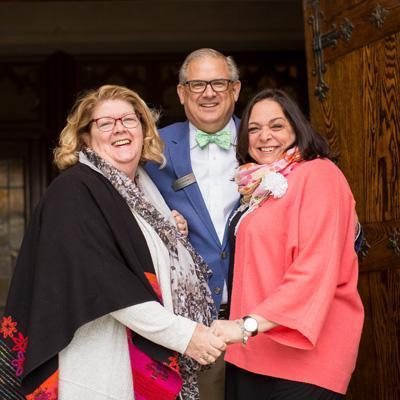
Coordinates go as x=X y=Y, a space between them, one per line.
x=250 y=325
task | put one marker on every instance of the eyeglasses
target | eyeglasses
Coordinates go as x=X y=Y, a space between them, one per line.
x=218 y=85
x=107 y=124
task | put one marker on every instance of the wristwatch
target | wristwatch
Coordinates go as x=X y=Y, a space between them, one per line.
x=250 y=325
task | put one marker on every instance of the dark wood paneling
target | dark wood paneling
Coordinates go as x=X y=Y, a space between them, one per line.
x=360 y=14
x=381 y=78
x=382 y=254
x=360 y=116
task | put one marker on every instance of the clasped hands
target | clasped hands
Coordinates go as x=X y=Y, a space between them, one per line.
x=207 y=344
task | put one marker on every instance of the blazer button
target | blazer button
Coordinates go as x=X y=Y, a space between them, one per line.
x=224 y=255
x=217 y=290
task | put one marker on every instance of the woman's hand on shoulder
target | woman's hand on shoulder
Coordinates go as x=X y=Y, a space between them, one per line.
x=180 y=222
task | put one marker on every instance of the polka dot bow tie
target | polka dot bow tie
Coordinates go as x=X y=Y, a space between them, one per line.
x=222 y=139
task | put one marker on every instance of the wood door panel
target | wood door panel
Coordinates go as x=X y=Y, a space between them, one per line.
x=364 y=27
x=361 y=119
x=386 y=288
x=337 y=118
x=358 y=390
x=379 y=335
x=333 y=8
x=382 y=127
x=381 y=254
x=369 y=100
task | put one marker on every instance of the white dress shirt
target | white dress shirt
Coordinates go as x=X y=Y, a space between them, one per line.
x=214 y=169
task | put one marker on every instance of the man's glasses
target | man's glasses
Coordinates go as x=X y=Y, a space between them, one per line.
x=107 y=124
x=218 y=85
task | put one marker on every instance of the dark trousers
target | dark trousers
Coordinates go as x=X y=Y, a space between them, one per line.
x=245 y=385
x=212 y=381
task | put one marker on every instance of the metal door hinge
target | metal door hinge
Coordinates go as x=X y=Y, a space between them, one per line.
x=323 y=40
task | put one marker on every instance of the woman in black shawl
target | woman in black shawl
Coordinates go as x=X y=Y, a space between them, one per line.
x=108 y=299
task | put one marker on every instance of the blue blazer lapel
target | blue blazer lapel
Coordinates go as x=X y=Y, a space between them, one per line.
x=225 y=240
x=180 y=160
x=236 y=120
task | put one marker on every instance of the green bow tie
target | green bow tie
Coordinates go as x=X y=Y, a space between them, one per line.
x=222 y=139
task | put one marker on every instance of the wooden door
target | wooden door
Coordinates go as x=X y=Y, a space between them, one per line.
x=353 y=62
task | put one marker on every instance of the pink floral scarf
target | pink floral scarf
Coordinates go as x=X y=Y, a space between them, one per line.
x=256 y=183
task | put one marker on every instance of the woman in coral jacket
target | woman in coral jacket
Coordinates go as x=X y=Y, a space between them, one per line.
x=296 y=315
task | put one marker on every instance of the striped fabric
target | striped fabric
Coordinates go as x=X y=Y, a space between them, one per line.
x=9 y=383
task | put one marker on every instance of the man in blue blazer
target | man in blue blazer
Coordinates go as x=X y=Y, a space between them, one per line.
x=197 y=179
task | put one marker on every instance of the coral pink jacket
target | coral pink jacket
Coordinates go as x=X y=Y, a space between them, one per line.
x=295 y=265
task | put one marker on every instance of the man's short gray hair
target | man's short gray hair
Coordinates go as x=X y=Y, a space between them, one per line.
x=205 y=52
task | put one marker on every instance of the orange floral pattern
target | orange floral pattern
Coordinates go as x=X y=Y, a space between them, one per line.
x=152 y=278
x=16 y=347
x=173 y=363
x=48 y=390
x=8 y=327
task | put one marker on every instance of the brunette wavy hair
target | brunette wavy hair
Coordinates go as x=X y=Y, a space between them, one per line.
x=310 y=143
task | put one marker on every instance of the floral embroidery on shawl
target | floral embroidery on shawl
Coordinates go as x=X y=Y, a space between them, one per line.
x=173 y=360
x=173 y=363
x=17 y=343
x=21 y=343
x=147 y=373
x=13 y=345
x=48 y=390
x=152 y=278
x=152 y=380
x=8 y=327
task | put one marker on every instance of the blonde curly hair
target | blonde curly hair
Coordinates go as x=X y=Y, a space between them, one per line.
x=71 y=139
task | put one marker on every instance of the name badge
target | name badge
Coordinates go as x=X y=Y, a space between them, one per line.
x=184 y=181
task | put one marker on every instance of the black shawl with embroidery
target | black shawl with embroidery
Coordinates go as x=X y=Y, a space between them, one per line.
x=82 y=257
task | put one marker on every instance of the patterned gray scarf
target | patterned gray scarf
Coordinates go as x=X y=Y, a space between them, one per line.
x=191 y=296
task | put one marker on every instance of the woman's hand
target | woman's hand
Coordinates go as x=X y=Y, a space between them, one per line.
x=232 y=331
x=229 y=331
x=204 y=346
x=181 y=223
